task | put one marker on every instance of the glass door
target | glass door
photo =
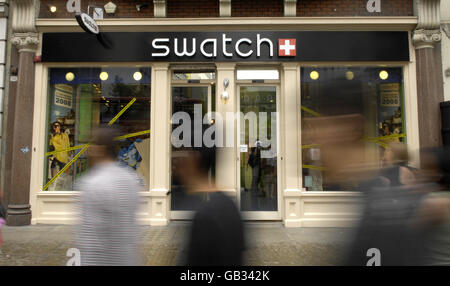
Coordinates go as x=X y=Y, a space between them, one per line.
x=191 y=97
x=258 y=152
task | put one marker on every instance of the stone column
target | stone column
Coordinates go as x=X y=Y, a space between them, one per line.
x=20 y=113
x=426 y=40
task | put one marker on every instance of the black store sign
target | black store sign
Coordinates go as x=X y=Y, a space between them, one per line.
x=226 y=46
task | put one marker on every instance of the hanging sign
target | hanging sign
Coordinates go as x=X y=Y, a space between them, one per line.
x=87 y=23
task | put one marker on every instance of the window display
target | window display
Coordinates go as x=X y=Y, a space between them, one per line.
x=376 y=93
x=81 y=99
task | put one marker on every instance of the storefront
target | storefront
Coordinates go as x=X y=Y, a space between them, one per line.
x=260 y=81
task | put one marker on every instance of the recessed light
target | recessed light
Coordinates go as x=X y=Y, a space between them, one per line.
x=349 y=75
x=384 y=75
x=104 y=76
x=137 y=76
x=70 y=76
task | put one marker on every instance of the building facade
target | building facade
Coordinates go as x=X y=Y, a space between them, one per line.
x=445 y=24
x=265 y=68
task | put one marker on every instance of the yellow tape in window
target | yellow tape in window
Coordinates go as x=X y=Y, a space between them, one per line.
x=65 y=167
x=387 y=137
x=122 y=111
x=314 y=167
x=85 y=147
x=67 y=149
x=311 y=111
x=310 y=146
x=132 y=135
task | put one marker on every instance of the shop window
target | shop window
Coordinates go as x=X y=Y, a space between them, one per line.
x=79 y=100
x=338 y=93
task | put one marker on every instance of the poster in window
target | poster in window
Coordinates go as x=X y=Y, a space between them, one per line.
x=390 y=98
x=63 y=99
x=390 y=94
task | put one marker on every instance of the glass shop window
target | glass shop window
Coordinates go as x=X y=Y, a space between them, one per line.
x=79 y=100
x=359 y=111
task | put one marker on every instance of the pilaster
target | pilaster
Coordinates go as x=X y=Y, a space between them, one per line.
x=159 y=8
x=225 y=8
x=25 y=39
x=290 y=145
x=290 y=8
x=427 y=33
x=226 y=165
x=160 y=145
x=426 y=37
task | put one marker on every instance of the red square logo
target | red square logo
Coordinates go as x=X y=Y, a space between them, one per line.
x=287 y=47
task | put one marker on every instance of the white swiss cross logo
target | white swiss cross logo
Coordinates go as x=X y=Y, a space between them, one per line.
x=287 y=47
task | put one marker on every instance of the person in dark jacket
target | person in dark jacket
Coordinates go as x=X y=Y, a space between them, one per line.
x=217 y=233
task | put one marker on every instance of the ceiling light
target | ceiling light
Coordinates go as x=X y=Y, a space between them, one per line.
x=349 y=75
x=384 y=75
x=70 y=76
x=53 y=9
x=137 y=76
x=314 y=75
x=104 y=76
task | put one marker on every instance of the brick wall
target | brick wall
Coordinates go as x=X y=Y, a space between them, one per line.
x=239 y=8
x=192 y=8
x=327 y=8
x=125 y=8
x=257 y=8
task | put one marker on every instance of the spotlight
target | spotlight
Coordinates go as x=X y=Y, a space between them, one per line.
x=104 y=76
x=314 y=75
x=137 y=76
x=349 y=75
x=53 y=9
x=70 y=76
x=384 y=75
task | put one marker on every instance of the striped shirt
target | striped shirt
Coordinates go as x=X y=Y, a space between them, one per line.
x=107 y=233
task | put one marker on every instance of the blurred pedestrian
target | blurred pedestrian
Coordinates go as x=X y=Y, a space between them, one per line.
x=107 y=233
x=434 y=214
x=396 y=168
x=389 y=208
x=217 y=233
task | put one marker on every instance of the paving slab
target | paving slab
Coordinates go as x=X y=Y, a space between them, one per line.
x=267 y=244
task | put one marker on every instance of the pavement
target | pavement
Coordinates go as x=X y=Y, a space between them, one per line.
x=268 y=243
